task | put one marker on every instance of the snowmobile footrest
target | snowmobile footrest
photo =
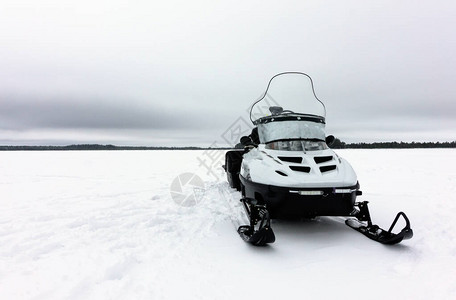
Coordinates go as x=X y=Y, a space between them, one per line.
x=376 y=233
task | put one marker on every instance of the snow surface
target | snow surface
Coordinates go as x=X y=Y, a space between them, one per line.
x=103 y=225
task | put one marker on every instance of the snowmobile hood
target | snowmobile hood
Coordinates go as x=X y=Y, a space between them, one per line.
x=297 y=169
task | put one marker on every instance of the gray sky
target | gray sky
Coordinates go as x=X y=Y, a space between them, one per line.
x=182 y=72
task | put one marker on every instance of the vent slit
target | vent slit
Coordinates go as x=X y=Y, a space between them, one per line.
x=281 y=173
x=300 y=169
x=322 y=159
x=292 y=159
x=327 y=168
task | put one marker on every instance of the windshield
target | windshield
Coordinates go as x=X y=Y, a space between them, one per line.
x=297 y=145
x=292 y=92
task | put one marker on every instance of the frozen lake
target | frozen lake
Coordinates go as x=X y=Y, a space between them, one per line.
x=103 y=225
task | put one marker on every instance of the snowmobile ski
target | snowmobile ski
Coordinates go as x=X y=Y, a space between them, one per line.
x=259 y=231
x=374 y=232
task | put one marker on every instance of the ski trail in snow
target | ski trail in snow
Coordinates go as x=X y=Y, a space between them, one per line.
x=232 y=201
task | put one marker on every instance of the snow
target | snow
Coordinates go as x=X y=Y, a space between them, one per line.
x=103 y=225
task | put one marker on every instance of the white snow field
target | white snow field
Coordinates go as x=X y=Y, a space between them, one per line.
x=103 y=225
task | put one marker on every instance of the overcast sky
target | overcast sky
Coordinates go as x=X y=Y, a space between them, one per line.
x=178 y=73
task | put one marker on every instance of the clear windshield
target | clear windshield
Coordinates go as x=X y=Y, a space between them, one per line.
x=297 y=145
x=293 y=92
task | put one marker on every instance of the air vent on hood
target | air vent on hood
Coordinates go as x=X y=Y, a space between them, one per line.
x=281 y=173
x=292 y=159
x=300 y=169
x=322 y=159
x=327 y=168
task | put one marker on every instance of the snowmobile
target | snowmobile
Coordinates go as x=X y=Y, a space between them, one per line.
x=287 y=170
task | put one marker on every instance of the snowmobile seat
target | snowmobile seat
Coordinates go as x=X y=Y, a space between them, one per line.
x=233 y=161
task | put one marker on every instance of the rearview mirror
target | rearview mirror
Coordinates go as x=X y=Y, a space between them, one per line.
x=246 y=141
x=330 y=140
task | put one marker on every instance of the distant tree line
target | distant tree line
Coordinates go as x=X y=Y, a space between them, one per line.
x=337 y=144
x=80 y=147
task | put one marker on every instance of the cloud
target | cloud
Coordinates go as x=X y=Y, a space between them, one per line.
x=192 y=68
x=22 y=114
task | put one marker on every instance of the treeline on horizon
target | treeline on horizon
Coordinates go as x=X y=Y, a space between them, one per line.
x=336 y=145
x=95 y=147
x=392 y=145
